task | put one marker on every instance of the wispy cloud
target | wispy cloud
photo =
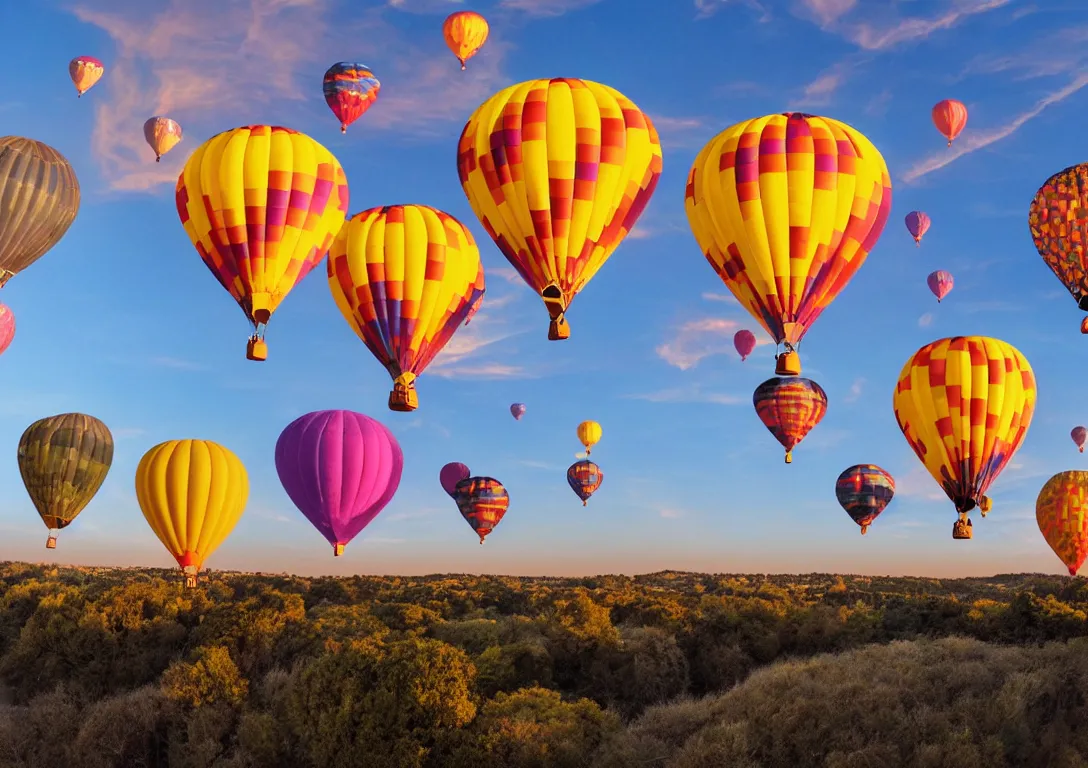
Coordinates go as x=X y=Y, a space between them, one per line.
x=125 y=433
x=694 y=394
x=827 y=12
x=670 y=513
x=177 y=364
x=461 y=358
x=680 y=131
x=889 y=31
x=821 y=91
x=706 y=8
x=426 y=6
x=697 y=339
x=640 y=232
x=533 y=464
x=925 y=320
x=213 y=64
x=725 y=298
x=547 y=7
x=856 y=389
x=509 y=274
x=975 y=141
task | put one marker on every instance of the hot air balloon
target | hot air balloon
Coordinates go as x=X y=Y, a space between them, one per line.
x=940 y=283
x=950 y=117
x=40 y=196
x=786 y=208
x=350 y=88
x=451 y=474
x=85 y=71
x=1062 y=513
x=341 y=469
x=864 y=490
x=589 y=434
x=745 y=343
x=7 y=327
x=517 y=410
x=1079 y=435
x=404 y=277
x=558 y=172
x=63 y=461
x=192 y=493
x=917 y=224
x=465 y=33
x=482 y=501
x=162 y=134
x=262 y=205
x=790 y=408
x=1058 y=220
x=584 y=478
x=964 y=405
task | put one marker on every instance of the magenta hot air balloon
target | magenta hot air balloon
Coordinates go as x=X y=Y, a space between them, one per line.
x=451 y=474
x=745 y=342
x=940 y=282
x=340 y=468
x=917 y=224
x=517 y=410
x=7 y=327
x=1079 y=435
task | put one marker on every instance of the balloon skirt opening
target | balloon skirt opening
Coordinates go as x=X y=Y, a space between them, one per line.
x=256 y=350
x=788 y=364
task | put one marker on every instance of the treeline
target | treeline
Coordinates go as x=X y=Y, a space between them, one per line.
x=108 y=667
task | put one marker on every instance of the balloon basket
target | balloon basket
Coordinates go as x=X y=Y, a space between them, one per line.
x=558 y=330
x=190 y=581
x=788 y=364
x=403 y=399
x=962 y=530
x=337 y=549
x=257 y=350
x=51 y=542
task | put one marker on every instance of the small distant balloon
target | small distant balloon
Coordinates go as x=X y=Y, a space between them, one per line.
x=517 y=410
x=7 y=327
x=1079 y=435
x=85 y=71
x=465 y=33
x=745 y=343
x=162 y=134
x=864 y=490
x=950 y=117
x=589 y=434
x=940 y=283
x=350 y=88
x=451 y=474
x=917 y=224
x=1084 y=326
x=790 y=408
x=482 y=501
x=584 y=478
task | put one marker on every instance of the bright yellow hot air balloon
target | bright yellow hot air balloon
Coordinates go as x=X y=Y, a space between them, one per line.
x=262 y=205
x=786 y=208
x=465 y=33
x=589 y=434
x=558 y=172
x=405 y=278
x=1062 y=513
x=965 y=404
x=193 y=493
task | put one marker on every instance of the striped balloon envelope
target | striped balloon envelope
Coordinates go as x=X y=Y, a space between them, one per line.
x=482 y=501
x=790 y=408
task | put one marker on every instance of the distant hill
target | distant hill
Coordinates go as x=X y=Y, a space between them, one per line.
x=124 y=667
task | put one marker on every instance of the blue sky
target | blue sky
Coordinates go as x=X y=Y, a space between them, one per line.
x=123 y=321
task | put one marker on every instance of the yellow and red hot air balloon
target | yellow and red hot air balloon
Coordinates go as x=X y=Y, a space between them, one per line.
x=262 y=205
x=465 y=33
x=790 y=408
x=85 y=71
x=950 y=118
x=192 y=493
x=405 y=277
x=786 y=208
x=1062 y=513
x=964 y=405
x=161 y=134
x=558 y=172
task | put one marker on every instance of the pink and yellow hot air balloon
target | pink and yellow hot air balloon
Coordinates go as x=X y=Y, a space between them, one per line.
x=85 y=71
x=1061 y=510
x=405 y=277
x=786 y=208
x=744 y=341
x=262 y=205
x=950 y=118
x=558 y=172
x=162 y=134
x=940 y=283
x=1079 y=436
x=917 y=224
x=790 y=408
x=465 y=33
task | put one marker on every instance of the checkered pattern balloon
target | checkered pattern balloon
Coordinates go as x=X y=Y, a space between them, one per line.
x=790 y=408
x=1062 y=513
x=1058 y=219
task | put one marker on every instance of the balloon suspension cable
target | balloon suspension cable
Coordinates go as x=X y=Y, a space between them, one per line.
x=463 y=67
x=158 y=157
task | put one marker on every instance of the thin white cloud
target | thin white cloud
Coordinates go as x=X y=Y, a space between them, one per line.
x=690 y=395
x=177 y=363
x=698 y=339
x=925 y=320
x=680 y=131
x=547 y=7
x=828 y=11
x=670 y=513
x=533 y=464
x=706 y=8
x=639 y=232
x=509 y=274
x=124 y=433
x=725 y=298
x=821 y=91
x=426 y=6
x=973 y=142
x=856 y=390
x=889 y=31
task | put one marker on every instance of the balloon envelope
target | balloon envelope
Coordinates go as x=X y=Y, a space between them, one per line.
x=940 y=283
x=162 y=134
x=85 y=71
x=950 y=118
x=864 y=490
x=1061 y=510
x=790 y=408
x=482 y=501
x=1079 y=435
x=589 y=434
x=584 y=478
x=465 y=33
x=350 y=88
x=451 y=474
x=341 y=469
x=917 y=224
x=745 y=343
x=1058 y=221
x=517 y=410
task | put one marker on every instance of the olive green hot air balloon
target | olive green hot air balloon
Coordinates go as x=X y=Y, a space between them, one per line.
x=39 y=199
x=63 y=460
